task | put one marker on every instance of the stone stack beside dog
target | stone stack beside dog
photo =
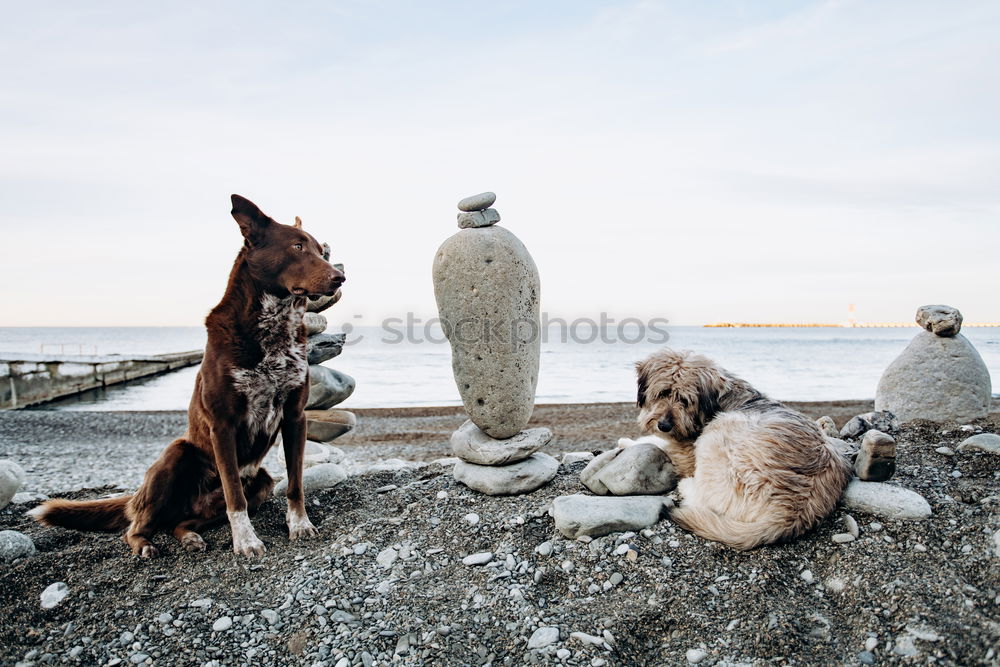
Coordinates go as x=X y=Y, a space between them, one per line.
x=487 y=289
x=939 y=376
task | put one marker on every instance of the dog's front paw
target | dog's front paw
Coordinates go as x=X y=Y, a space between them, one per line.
x=249 y=546
x=625 y=442
x=299 y=526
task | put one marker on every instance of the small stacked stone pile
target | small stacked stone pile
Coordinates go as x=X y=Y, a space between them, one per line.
x=939 y=376
x=327 y=388
x=487 y=291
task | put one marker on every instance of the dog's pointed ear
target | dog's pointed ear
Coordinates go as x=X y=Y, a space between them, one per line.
x=251 y=219
x=298 y=223
x=643 y=385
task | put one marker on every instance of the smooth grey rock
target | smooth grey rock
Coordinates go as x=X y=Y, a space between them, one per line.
x=987 y=442
x=940 y=320
x=481 y=558
x=512 y=479
x=542 y=637
x=642 y=469
x=222 y=624
x=876 y=461
x=315 y=478
x=885 y=500
x=328 y=425
x=884 y=421
x=54 y=594
x=327 y=387
x=12 y=478
x=469 y=443
x=316 y=453
x=936 y=378
x=828 y=427
x=569 y=458
x=580 y=514
x=314 y=323
x=490 y=216
x=323 y=347
x=14 y=545
x=477 y=202
x=487 y=291
x=846 y=449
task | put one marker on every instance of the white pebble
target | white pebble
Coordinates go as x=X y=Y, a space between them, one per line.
x=834 y=584
x=441 y=495
x=54 y=594
x=472 y=518
x=222 y=624
x=843 y=538
x=481 y=558
x=695 y=655
x=851 y=524
x=871 y=643
x=544 y=549
x=807 y=576
x=947 y=451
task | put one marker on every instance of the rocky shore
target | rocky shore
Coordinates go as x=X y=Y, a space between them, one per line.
x=414 y=568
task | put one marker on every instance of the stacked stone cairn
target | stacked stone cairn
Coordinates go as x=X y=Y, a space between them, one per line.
x=939 y=376
x=487 y=289
x=327 y=388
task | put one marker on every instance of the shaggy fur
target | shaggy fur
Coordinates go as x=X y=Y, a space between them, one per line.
x=252 y=384
x=754 y=471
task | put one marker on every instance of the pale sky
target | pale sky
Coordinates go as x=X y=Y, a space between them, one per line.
x=748 y=161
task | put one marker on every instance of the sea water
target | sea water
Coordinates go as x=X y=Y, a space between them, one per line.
x=587 y=365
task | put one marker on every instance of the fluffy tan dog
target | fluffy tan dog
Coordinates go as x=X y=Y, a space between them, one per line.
x=754 y=471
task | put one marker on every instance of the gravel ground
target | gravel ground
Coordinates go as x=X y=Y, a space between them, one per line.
x=385 y=583
x=64 y=451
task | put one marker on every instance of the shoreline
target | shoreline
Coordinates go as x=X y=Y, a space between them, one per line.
x=64 y=451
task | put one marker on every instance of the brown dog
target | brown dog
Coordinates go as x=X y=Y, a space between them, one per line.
x=252 y=381
x=754 y=471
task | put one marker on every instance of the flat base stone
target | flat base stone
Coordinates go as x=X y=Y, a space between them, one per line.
x=516 y=478
x=471 y=444
x=885 y=500
x=580 y=514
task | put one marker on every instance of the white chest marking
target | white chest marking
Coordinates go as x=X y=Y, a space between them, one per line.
x=282 y=369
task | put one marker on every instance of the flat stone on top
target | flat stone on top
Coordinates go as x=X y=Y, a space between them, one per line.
x=477 y=202
x=469 y=443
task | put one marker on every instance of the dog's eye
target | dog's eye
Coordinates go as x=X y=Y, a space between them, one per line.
x=297 y=246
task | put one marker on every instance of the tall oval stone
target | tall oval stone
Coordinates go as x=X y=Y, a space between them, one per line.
x=487 y=290
x=936 y=378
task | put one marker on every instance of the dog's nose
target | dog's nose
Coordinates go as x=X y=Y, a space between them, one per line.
x=665 y=424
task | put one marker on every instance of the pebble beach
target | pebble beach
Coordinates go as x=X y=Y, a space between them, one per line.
x=412 y=567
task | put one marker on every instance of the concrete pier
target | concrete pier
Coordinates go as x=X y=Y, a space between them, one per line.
x=29 y=379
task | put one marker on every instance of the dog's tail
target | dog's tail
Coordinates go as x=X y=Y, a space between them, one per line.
x=99 y=515
x=731 y=532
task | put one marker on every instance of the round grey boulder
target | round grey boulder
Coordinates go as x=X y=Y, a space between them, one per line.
x=508 y=480
x=14 y=545
x=642 y=469
x=477 y=202
x=487 y=291
x=469 y=443
x=327 y=387
x=940 y=320
x=12 y=478
x=937 y=378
